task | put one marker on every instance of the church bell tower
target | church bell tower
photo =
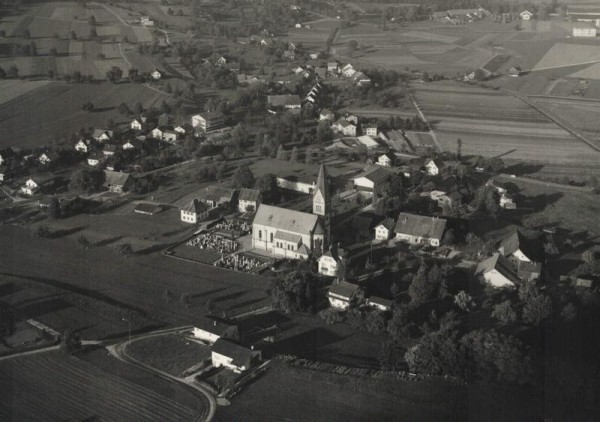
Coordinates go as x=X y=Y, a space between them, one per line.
x=322 y=203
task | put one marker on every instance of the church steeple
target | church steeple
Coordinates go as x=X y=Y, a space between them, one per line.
x=322 y=201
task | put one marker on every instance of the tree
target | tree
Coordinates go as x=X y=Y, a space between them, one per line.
x=459 y=148
x=267 y=185
x=352 y=46
x=124 y=249
x=73 y=35
x=294 y=155
x=464 y=301
x=138 y=108
x=92 y=20
x=86 y=180
x=504 y=312
x=297 y=291
x=89 y=107
x=92 y=35
x=69 y=344
x=375 y=322
x=537 y=308
x=423 y=287
x=437 y=353
x=221 y=170
x=168 y=295
x=26 y=33
x=83 y=242
x=324 y=132
x=114 y=74
x=390 y=355
x=54 y=208
x=124 y=109
x=242 y=177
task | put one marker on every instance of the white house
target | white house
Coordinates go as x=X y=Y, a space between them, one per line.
x=348 y=71
x=433 y=166
x=157 y=133
x=330 y=262
x=326 y=114
x=386 y=160
x=370 y=129
x=136 y=124
x=248 y=200
x=526 y=15
x=286 y=233
x=210 y=330
x=194 y=211
x=170 y=136
x=208 y=121
x=180 y=130
x=287 y=102
x=368 y=141
x=385 y=229
x=370 y=179
x=419 y=229
x=341 y=294
x=102 y=135
x=497 y=271
x=48 y=157
x=31 y=187
x=83 y=145
x=584 y=32
x=156 y=74
x=344 y=127
x=233 y=356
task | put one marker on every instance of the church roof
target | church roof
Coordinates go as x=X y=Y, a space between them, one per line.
x=285 y=219
x=322 y=185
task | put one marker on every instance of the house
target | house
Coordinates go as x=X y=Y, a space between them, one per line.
x=321 y=72
x=433 y=166
x=136 y=124
x=48 y=157
x=156 y=74
x=344 y=127
x=157 y=133
x=170 y=136
x=497 y=271
x=517 y=247
x=210 y=330
x=341 y=294
x=116 y=181
x=368 y=142
x=326 y=114
x=586 y=282
x=287 y=102
x=244 y=79
x=514 y=71
x=31 y=187
x=526 y=15
x=266 y=42
x=109 y=150
x=180 y=129
x=385 y=229
x=194 y=211
x=220 y=61
x=95 y=158
x=233 y=356
x=420 y=229
x=330 y=263
x=133 y=144
x=289 y=54
x=380 y=303
x=333 y=67
x=351 y=118
x=386 y=160
x=214 y=196
x=361 y=80
x=83 y=145
x=208 y=121
x=370 y=129
x=348 y=71
x=102 y=135
x=146 y=21
x=287 y=233
x=371 y=179
x=248 y=200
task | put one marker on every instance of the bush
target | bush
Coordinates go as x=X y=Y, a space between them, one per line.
x=331 y=315
x=124 y=249
x=42 y=231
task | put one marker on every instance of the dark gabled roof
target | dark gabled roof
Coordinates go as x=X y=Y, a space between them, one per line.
x=380 y=301
x=343 y=289
x=499 y=263
x=216 y=194
x=249 y=195
x=531 y=248
x=195 y=206
x=421 y=226
x=213 y=326
x=388 y=223
x=239 y=355
x=115 y=178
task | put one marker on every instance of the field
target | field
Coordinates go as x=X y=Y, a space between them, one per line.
x=54 y=110
x=51 y=386
x=171 y=353
x=13 y=89
x=492 y=123
x=568 y=55
x=583 y=115
x=318 y=396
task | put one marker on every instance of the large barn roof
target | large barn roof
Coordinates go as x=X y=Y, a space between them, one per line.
x=421 y=226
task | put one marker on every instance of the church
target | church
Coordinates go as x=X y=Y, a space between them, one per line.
x=295 y=234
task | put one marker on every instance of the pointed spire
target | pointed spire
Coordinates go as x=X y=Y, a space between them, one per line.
x=322 y=181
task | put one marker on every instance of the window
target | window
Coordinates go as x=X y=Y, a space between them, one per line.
x=260 y=234
x=271 y=237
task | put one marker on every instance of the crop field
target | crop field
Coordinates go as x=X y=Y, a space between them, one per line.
x=54 y=109
x=583 y=115
x=562 y=54
x=51 y=386
x=10 y=89
x=171 y=353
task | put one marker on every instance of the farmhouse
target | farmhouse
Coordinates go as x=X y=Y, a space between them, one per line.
x=194 y=211
x=517 y=247
x=95 y=158
x=344 y=127
x=37 y=183
x=156 y=133
x=288 y=233
x=284 y=102
x=333 y=67
x=101 y=135
x=214 y=196
x=116 y=181
x=371 y=179
x=380 y=303
x=248 y=200
x=497 y=271
x=348 y=71
x=208 y=121
x=210 y=330
x=48 y=157
x=385 y=229
x=419 y=229
x=132 y=144
x=83 y=145
x=170 y=136
x=233 y=356
x=341 y=294
x=360 y=79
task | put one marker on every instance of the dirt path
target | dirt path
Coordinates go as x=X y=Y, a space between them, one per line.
x=422 y=116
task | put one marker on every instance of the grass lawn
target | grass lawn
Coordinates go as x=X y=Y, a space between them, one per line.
x=171 y=353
